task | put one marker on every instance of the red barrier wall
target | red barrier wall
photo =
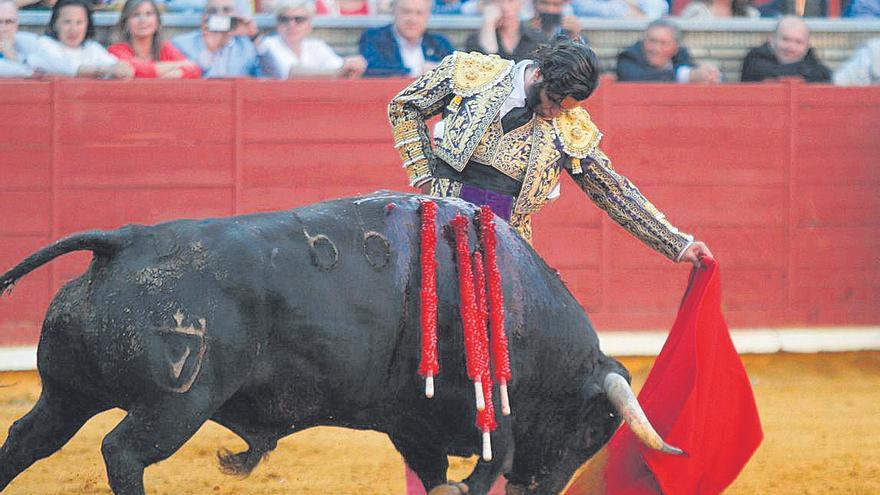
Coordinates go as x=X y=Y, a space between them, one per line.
x=780 y=179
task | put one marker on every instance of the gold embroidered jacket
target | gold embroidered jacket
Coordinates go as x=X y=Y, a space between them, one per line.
x=469 y=89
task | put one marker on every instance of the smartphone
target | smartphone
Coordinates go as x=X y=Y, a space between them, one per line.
x=221 y=23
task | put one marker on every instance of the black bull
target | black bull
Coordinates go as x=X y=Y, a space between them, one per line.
x=272 y=323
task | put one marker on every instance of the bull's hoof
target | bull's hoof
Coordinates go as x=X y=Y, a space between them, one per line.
x=451 y=488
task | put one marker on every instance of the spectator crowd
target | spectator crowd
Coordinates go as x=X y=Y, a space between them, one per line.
x=229 y=43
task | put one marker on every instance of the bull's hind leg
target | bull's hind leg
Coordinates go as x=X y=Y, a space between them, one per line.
x=148 y=434
x=54 y=419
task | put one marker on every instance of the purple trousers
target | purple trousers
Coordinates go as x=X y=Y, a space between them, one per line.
x=501 y=204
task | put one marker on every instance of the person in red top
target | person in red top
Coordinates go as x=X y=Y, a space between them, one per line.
x=142 y=46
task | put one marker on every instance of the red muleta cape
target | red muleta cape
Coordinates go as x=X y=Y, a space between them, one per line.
x=698 y=397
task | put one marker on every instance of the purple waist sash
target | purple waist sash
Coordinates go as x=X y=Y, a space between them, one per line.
x=501 y=204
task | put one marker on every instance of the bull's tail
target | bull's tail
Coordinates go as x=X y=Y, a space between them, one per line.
x=99 y=242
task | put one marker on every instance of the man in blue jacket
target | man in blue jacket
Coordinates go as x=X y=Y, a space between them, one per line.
x=404 y=48
x=659 y=56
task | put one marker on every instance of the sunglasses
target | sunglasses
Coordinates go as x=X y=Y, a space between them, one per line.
x=298 y=19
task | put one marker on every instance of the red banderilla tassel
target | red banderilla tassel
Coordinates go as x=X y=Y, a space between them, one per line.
x=486 y=417
x=468 y=307
x=500 y=353
x=429 y=365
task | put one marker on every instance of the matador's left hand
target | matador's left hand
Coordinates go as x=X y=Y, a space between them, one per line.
x=694 y=252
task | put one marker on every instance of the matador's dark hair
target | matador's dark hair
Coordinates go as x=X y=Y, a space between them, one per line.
x=569 y=68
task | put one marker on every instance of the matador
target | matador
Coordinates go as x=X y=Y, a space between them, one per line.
x=506 y=133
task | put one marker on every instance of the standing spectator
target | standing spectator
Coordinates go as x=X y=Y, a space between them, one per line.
x=628 y=9
x=556 y=18
x=503 y=33
x=863 y=8
x=292 y=53
x=660 y=57
x=224 y=46
x=142 y=45
x=14 y=46
x=863 y=68
x=404 y=48
x=719 y=9
x=68 y=50
x=786 y=53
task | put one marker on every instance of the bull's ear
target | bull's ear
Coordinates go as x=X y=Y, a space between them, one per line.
x=589 y=392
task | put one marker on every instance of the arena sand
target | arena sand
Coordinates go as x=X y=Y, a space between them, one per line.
x=821 y=417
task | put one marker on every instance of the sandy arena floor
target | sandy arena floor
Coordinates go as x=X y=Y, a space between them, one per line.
x=821 y=416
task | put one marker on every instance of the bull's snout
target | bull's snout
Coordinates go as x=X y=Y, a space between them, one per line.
x=625 y=403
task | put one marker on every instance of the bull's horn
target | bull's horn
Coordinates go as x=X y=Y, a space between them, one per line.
x=624 y=400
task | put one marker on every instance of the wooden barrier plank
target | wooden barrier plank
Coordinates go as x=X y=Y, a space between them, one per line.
x=294 y=164
x=25 y=167
x=25 y=213
x=82 y=209
x=837 y=206
x=138 y=165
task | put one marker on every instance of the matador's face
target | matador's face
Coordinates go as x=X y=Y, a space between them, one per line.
x=547 y=106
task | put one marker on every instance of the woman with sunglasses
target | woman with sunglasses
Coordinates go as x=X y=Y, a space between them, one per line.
x=292 y=53
x=68 y=50
x=142 y=45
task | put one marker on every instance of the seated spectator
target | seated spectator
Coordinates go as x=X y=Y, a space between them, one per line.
x=68 y=50
x=621 y=9
x=15 y=46
x=292 y=53
x=143 y=48
x=786 y=54
x=660 y=57
x=404 y=48
x=503 y=33
x=719 y=9
x=556 y=18
x=863 y=68
x=223 y=47
x=863 y=8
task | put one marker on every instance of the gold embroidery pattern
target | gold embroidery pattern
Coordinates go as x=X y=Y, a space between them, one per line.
x=523 y=225
x=465 y=127
x=543 y=169
x=577 y=132
x=445 y=188
x=488 y=145
x=475 y=72
x=626 y=205
x=513 y=152
x=407 y=112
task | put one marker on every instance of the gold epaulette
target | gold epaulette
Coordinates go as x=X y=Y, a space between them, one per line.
x=579 y=135
x=475 y=72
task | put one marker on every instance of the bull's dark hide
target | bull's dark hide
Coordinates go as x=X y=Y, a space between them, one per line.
x=273 y=323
